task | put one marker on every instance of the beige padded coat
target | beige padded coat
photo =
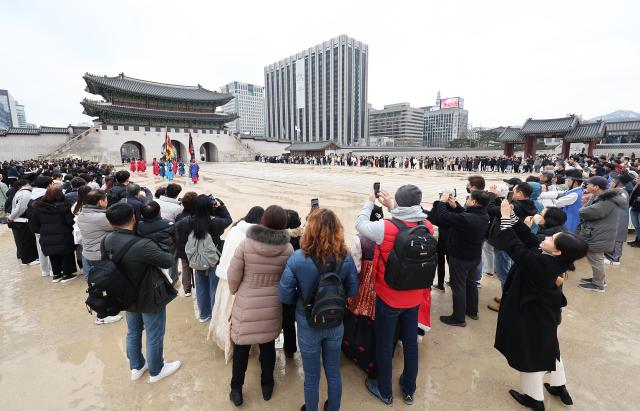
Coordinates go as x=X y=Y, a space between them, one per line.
x=254 y=275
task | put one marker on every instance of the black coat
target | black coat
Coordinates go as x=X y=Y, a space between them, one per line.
x=54 y=222
x=160 y=230
x=531 y=304
x=219 y=221
x=443 y=229
x=467 y=231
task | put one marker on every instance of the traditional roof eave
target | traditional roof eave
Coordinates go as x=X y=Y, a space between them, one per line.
x=134 y=86
x=622 y=126
x=313 y=146
x=34 y=131
x=97 y=108
x=511 y=135
x=586 y=132
x=550 y=126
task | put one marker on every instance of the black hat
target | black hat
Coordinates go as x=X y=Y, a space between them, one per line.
x=514 y=181
x=599 y=181
x=408 y=195
x=42 y=182
x=574 y=174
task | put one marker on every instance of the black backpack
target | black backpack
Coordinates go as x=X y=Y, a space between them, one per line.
x=326 y=304
x=412 y=262
x=110 y=290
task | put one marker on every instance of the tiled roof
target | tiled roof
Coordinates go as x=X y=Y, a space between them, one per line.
x=510 y=135
x=618 y=126
x=550 y=126
x=315 y=146
x=586 y=132
x=97 y=108
x=34 y=131
x=149 y=88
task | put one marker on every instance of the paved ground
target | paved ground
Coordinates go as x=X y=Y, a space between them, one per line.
x=53 y=357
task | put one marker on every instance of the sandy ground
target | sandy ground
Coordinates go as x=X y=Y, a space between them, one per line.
x=53 y=357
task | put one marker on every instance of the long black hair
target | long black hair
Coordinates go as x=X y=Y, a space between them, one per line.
x=202 y=216
x=572 y=249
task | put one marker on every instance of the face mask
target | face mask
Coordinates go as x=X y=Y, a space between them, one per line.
x=468 y=190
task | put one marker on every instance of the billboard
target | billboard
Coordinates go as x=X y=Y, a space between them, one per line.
x=300 y=81
x=451 y=102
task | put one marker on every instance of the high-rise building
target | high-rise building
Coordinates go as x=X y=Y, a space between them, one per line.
x=444 y=122
x=248 y=104
x=11 y=112
x=400 y=124
x=320 y=94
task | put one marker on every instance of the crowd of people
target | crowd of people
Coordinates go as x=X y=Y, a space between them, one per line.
x=277 y=273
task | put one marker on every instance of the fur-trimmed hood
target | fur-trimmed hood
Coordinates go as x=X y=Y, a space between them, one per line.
x=614 y=195
x=266 y=235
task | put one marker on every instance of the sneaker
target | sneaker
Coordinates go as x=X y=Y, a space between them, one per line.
x=478 y=284
x=449 y=320
x=68 y=277
x=168 y=369
x=372 y=387
x=490 y=274
x=56 y=278
x=45 y=274
x=136 y=374
x=591 y=287
x=473 y=316
x=187 y=294
x=204 y=320
x=448 y=283
x=590 y=281
x=438 y=287
x=634 y=242
x=108 y=320
x=406 y=398
x=609 y=262
x=34 y=262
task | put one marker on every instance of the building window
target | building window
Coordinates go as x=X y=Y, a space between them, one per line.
x=158 y=129
x=147 y=129
x=126 y=128
x=104 y=126
x=136 y=128
x=115 y=127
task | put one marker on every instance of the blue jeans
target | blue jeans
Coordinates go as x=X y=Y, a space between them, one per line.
x=314 y=343
x=387 y=320
x=635 y=220
x=155 y=325
x=478 y=274
x=503 y=265
x=86 y=266
x=206 y=285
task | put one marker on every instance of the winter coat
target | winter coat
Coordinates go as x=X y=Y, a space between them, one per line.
x=443 y=228
x=467 y=231
x=524 y=208
x=623 y=216
x=232 y=241
x=634 y=199
x=54 y=222
x=117 y=193
x=169 y=208
x=94 y=226
x=141 y=264
x=526 y=333
x=544 y=232
x=599 y=220
x=160 y=230
x=220 y=220
x=254 y=275
x=300 y=277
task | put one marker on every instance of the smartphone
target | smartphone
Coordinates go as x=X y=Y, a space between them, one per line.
x=315 y=203
x=510 y=196
x=455 y=193
x=376 y=189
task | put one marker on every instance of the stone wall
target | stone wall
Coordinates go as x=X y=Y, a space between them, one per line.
x=26 y=147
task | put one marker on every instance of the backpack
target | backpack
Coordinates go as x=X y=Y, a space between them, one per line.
x=412 y=262
x=110 y=290
x=326 y=304
x=202 y=254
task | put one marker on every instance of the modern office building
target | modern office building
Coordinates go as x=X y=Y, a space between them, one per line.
x=11 y=112
x=320 y=94
x=248 y=104
x=444 y=122
x=400 y=124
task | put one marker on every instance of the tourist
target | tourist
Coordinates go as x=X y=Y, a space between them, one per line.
x=550 y=221
x=529 y=315
x=256 y=317
x=634 y=212
x=570 y=201
x=3 y=198
x=492 y=258
x=141 y=262
x=51 y=217
x=466 y=234
x=40 y=186
x=119 y=189
x=169 y=203
x=220 y=324
x=18 y=219
x=443 y=234
x=194 y=169
x=71 y=197
x=188 y=204
x=394 y=309
x=322 y=245
x=359 y=333
x=156 y=228
x=599 y=227
x=94 y=226
x=134 y=199
x=294 y=227
x=210 y=217
x=618 y=184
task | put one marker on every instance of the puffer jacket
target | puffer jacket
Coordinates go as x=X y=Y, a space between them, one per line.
x=599 y=220
x=623 y=216
x=160 y=230
x=93 y=225
x=254 y=275
x=54 y=222
x=169 y=208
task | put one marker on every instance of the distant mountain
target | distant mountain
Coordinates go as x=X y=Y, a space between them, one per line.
x=619 y=115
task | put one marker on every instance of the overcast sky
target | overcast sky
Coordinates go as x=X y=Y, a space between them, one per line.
x=510 y=60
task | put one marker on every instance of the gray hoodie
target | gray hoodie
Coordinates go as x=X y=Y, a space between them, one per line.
x=599 y=220
x=93 y=224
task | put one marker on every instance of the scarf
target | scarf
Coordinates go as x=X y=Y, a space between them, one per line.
x=412 y=214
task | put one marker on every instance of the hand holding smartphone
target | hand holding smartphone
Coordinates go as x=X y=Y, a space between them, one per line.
x=315 y=203
x=376 y=189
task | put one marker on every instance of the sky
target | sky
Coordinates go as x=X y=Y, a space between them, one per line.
x=509 y=60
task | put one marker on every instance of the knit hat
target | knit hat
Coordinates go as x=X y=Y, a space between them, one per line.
x=599 y=181
x=408 y=195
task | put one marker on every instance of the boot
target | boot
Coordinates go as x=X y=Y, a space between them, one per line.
x=559 y=391
x=527 y=401
x=267 y=391
x=634 y=242
x=494 y=307
x=236 y=396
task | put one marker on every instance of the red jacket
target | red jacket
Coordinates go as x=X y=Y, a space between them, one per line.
x=394 y=298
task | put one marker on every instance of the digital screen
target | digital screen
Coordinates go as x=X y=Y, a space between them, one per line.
x=452 y=102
